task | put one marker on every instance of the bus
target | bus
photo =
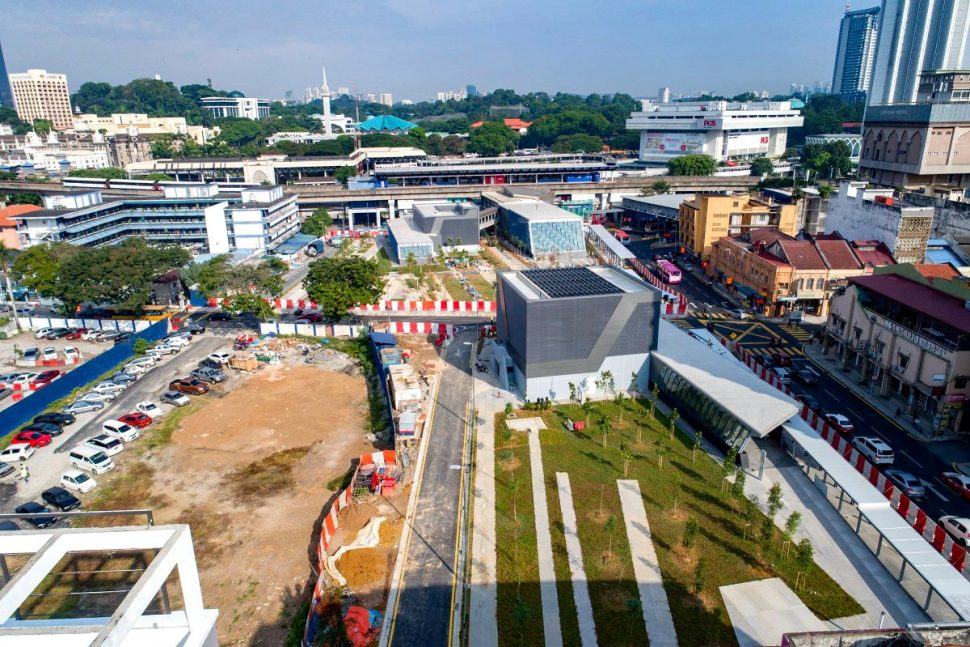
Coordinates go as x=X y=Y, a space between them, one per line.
x=621 y=236
x=669 y=272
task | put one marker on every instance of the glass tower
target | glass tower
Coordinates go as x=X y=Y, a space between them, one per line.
x=855 y=54
x=6 y=96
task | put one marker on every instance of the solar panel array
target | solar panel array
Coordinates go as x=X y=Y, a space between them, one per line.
x=563 y=282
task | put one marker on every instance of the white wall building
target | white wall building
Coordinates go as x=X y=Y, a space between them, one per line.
x=387 y=99
x=51 y=155
x=241 y=107
x=717 y=128
x=39 y=94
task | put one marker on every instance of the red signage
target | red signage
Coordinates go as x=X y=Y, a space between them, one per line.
x=710 y=123
x=764 y=140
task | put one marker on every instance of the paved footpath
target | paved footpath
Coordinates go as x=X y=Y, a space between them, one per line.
x=584 y=608
x=653 y=598
x=482 y=612
x=547 y=571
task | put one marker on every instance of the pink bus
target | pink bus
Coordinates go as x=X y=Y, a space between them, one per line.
x=669 y=272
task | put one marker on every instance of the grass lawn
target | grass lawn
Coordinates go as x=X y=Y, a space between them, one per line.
x=453 y=287
x=724 y=552
x=486 y=289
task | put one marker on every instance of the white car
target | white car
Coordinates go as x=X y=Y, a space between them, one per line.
x=147 y=361
x=135 y=369
x=90 y=334
x=737 y=313
x=222 y=358
x=16 y=452
x=71 y=353
x=178 y=340
x=41 y=333
x=83 y=406
x=175 y=398
x=164 y=349
x=106 y=443
x=149 y=408
x=117 y=429
x=874 y=449
x=959 y=527
x=23 y=378
x=49 y=353
x=78 y=481
x=108 y=387
x=94 y=396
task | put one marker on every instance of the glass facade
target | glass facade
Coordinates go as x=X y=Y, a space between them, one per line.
x=551 y=236
x=697 y=407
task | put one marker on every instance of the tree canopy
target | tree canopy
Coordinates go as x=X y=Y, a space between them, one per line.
x=107 y=173
x=492 y=138
x=338 y=283
x=245 y=287
x=692 y=165
x=577 y=143
x=825 y=113
x=762 y=166
x=831 y=160
x=316 y=223
x=120 y=275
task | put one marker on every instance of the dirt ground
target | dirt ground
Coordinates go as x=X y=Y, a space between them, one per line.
x=253 y=528
x=368 y=570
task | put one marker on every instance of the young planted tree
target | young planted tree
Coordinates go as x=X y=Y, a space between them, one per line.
x=572 y=392
x=674 y=417
x=587 y=407
x=774 y=500
x=691 y=528
x=654 y=396
x=639 y=433
x=804 y=553
x=627 y=453
x=608 y=382
x=791 y=527
x=633 y=384
x=737 y=487
x=618 y=401
x=605 y=429
x=696 y=444
x=730 y=460
x=508 y=408
x=700 y=576
x=660 y=450
x=514 y=485
x=749 y=513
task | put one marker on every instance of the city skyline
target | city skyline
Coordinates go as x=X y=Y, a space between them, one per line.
x=266 y=50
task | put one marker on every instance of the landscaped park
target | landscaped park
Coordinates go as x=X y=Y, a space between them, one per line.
x=705 y=532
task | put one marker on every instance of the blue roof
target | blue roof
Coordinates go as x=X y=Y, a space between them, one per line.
x=797 y=104
x=386 y=123
x=383 y=339
x=293 y=244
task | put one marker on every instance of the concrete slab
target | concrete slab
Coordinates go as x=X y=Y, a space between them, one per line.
x=653 y=598
x=483 y=589
x=584 y=608
x=547 y=571
x=763 y=610
x=526 y=424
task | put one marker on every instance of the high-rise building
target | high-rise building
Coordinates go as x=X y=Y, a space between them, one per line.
x=914 y=36
x=343 y=90
x=663 y=95
x=386 y=99
x=855 y=54
x=38 y=94
x=471 y=90
x=6 y=96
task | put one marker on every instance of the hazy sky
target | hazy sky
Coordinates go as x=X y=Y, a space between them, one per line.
x=414 y=48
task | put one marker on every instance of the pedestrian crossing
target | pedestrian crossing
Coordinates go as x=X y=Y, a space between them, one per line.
x=768 y=351
x=797 y=332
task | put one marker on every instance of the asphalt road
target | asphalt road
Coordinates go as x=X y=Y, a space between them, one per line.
x=48 y=463
x=424 y=610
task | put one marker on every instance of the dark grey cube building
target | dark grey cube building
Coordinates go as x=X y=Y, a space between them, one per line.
x=570 y=325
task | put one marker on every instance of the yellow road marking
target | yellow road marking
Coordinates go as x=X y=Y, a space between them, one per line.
x=461 y=513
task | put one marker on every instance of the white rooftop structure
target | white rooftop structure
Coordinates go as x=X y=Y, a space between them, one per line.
x=131 y=624
x=405 y=233
x=622 y=251
x=538 y=210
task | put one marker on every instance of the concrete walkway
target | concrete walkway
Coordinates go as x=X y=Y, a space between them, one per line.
x=584 y=608
x=763 y=611
x=653 y=598
x=547 y=571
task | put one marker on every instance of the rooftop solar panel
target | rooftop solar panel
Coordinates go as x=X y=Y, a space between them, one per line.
x=565 y=282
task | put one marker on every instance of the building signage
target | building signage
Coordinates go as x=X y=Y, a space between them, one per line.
x=746 y=142
x=913 y=337
x=710 y=123
x=672 y=143
x=939 y=378
x=956 y=397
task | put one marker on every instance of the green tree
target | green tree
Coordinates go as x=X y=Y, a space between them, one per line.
x=692 y=165
x=674 y=417
x=6 y=263
x=660 y=449
x=654 y=396
x=700 y=575
x=825 y=191
x=339 y=283
x=344 y=173
x=792 y=523
x=831 y=160
x=658 y=187
x=43 y=126
x=737 y=487
x=804 y=554
x=578 y=143
x=730 y=460
x=587 y=407
x=317 y=222
x=762 y=166
x=627 y=453
x=107 y=173
x=696 y=444
x=774 y=500
x=141 y=345
x=572 y=391
x=492 y=138
x=691 y=528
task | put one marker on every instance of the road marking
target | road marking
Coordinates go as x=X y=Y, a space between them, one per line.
x=461 y=510
x=934 y=491
x=454 y=467
x=855 y=415
x=830 y=394
x=916 y=462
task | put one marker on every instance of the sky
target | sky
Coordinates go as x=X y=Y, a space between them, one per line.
x=414 y=48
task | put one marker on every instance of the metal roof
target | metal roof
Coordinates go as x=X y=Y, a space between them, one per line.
x=612 y=243
x=752 y=401
x=404 y=233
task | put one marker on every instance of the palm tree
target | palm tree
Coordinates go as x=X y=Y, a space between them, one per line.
x=6 y=263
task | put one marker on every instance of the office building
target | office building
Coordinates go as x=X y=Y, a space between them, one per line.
x=861 y=213
x=55 y=154
x=434 y=226
x=408 y=242
x=189 y=215
x=536 y=228
x=720 y=129
x=944 y=86
x=916 y=35
x=140 y=124
x=709 y=217
x=6 y=95
x=471 y=90
x=663 y=95
x=855 y=54
x=235 y=107
x=568 y=326
x=910 y=338
x=343 y=91
x=38 y=94
x=386 y=99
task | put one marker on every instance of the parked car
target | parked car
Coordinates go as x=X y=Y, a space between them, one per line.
x=78 y=481
x=40 y=520
x=874 y=449
x=177 y=339
x=99 y=397
x=840 y=422
x=195 y=328
x=137 y=420
x=107 y=335
x=149 y=408
x=33 y=438
x=23 y=379
x=135 y=369
x=61 y=499
x=71 y=353
x=31 y=354
x=124 y=379
x=805 y=376
x=75 y=333
x=7 y=526
x=783 y=374
x=105 y=443
x=85 y=457
x=41 y=333
x=108 y=387
x=208 y=374
x=49 y=354
x=146 y=360
x=958 y=527
x=163 y=349
x=807 y=399
x=220 y=315
x=48 y=428
x=57 y=418
x=117 y=429
x=16 y=453
x=311 y=317
x=189 y=385
x=5 y=393
x=90 y=334
x=959 y=483
x=738 y=313
x=122 y=337
x=169 y=397
x=909 y=484
x=46 y=377
x=222 y=358
x=83 y=406
x=57 y=333
x=210 y=363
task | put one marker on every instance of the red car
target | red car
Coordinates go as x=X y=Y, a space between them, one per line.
x=47 y=377
x=312 y=317
x=32 y=438
x=137 y=420
x=958 y=483
x=75 y=333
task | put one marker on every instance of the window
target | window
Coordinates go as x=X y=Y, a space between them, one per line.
x=902 y=361
x=856 y=332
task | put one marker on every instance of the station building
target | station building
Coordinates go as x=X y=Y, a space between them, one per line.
x=535 y=227
x=562 y=326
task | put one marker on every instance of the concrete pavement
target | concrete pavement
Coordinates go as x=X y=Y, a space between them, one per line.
x=574 y=550
x=764 y=610
x=547 y=569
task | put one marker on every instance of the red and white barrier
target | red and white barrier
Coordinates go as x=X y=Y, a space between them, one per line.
x=469 y=307
x=677 y=300
x=419 y=328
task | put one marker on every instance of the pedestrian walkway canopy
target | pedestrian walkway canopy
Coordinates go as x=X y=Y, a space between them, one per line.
x=604 y=238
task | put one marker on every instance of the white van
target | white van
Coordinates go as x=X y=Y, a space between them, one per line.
x=874 y=449
x=784 y=375
x=117 y=429
x=90 y=459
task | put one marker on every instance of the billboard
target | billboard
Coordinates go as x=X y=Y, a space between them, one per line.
x=748 y=142
x=673 y=143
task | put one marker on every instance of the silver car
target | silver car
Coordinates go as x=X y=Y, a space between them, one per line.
x=83 y=406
